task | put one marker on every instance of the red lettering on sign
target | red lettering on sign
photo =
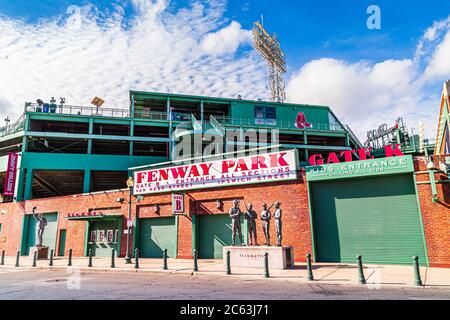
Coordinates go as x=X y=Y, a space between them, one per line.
x=259 y=162
x=332 y=158
x=226 y=165
x=393 y=151
x=316 y=160
x=278 y=160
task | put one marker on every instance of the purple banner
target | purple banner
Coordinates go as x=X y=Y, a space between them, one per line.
x=11 y=172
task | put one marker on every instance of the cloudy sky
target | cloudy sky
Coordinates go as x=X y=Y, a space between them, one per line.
x=78 y=49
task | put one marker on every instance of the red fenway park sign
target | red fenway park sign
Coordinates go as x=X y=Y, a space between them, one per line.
x=262 y=168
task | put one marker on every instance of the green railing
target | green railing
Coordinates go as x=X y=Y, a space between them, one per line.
x=276 y=124
x=12 y=128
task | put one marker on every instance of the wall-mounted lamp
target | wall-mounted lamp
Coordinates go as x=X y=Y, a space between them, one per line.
x=120 y=200
x=218 y=204
x=157 y=209
x=139 y=198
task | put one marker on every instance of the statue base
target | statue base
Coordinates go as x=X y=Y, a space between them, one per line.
x=42 y=252
x=280 y=258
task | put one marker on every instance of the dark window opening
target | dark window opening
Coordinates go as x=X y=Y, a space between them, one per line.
x=11 y=145
x=111 y=147
x=111 y=129
x=150 y=149
x=326 y=141
x=157 y=132
x=108 y=180
x=53 y=183
x=144 y=108
x=265 y=115
x=57 y=145
x=291 y=139
x=59 y=126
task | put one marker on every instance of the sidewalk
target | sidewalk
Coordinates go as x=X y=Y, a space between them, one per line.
x=377 y=276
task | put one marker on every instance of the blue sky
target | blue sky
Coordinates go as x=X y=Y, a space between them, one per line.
x=307 y=29
x=327 y=45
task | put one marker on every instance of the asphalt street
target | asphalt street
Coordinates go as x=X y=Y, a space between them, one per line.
x=60 y=285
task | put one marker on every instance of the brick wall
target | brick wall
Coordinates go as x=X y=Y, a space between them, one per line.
x=292 y=195
x=435 y=215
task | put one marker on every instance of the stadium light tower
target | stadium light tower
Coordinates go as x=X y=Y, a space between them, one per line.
x=269 y=48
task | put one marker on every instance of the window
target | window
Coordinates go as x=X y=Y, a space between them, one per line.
x=265 y=115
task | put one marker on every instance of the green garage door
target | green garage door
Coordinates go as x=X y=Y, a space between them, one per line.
x=375 y=217
x=155 y=235
x=214 y=232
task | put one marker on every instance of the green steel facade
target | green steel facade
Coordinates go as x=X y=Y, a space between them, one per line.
x=68 y=150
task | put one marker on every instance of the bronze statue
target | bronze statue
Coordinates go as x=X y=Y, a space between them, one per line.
x=251 y=216
x=278 y=223
x=235 y=215
x=265 y=217
x=41 y=227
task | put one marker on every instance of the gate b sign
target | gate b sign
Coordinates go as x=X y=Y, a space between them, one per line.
x=177 y=204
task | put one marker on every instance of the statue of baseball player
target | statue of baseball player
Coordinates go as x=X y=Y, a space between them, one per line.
x=251 y=216
x=41 y=226
x=235 y=215
x=265 y=217
x=278 y=223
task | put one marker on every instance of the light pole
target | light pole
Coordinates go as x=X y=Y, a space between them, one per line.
x=130 y=184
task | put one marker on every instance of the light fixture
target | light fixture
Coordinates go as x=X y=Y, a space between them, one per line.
x=139 y=198
x=130 y=182
x=120 y=200
x=218 y=204
x=157 y=209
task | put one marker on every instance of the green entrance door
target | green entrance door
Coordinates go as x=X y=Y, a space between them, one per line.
x=49 y=236
x=62 y=242
x=103 y=237
x=376 y=217
x=214 y=234
x=157 y=234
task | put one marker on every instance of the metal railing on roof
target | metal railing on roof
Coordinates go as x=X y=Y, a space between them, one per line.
x=276 y=124
x=104 y=112
x=12 y=128
x=77 y=110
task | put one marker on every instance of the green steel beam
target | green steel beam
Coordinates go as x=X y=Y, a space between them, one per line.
x=87 y=181
x=92 y=136
x=65 y=161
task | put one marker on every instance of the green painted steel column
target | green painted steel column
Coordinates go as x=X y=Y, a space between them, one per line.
x=87 y=181
x=131 y=135
x=28 y=184
x=194 y=232
x=91 y=130
x=132 y=115
x=24 y=237
x=20 y=181
x=86 y=239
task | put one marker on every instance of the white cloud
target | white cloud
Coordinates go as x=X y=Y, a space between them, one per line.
x=226 y=40
x=365 y=94
x=87 y=53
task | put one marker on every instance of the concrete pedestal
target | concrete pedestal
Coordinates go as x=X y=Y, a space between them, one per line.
x=42 y=252
x=253 y=257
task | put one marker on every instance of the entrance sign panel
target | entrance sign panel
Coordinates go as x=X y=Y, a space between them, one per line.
x=271 y=167
x=373 y=167
x=177 y=204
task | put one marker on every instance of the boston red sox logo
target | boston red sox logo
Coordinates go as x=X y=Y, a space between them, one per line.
x=301 y=122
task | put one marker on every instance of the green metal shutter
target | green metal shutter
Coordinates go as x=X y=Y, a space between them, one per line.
x=376 y=217
x=157 y=234
x=214 y=234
